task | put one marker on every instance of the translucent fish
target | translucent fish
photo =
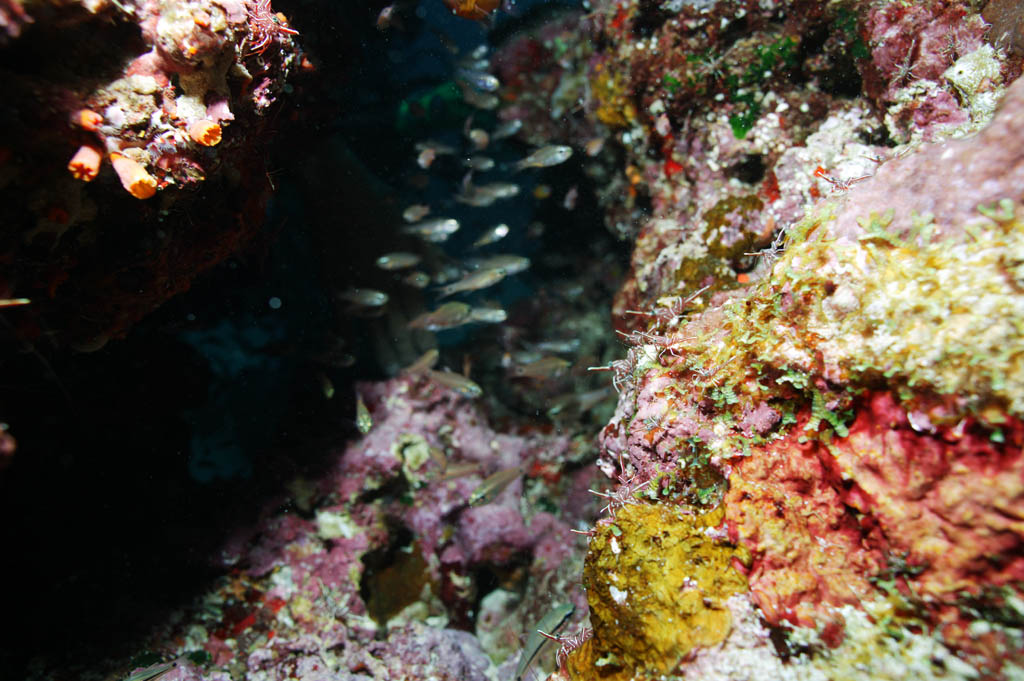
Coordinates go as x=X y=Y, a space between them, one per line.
x=398 y=260
x=545 y=157
x=435 y=231
x=481 y=196
x=417 y=279
x=472 y=63
x=493 y=235
x=594 y=146
x=426 y=158
x=480 y=100
x=459 y=470
x=512 y=264
x=507 y=129
x=551 y=622
x=415 y=212
x=14 y=302
x=364 y=297
x=364 y=422
x=493 y=485
x=488 y=315
x=447 y=316
x=438 y=457
x=385 y=18
x=426 y=361
x=153 y=672
x=546 y=367
x=569 y=201
x=473 y=282
x=480 y=164
x=437 y=147
x=481 y=80
x=562 y=346
x=479 y=138
x=456 y=382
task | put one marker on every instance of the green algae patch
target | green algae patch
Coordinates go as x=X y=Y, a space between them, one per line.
x=657 y=585
x=940 y=315
x=922 y=315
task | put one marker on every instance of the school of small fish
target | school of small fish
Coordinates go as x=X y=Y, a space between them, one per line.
x=417 y=265
x=423 y=267
x=480 y=89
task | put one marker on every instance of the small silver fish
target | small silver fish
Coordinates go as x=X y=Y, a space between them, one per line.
x=479 y=138
x=512 y=264
x=364 y=422
x=473 y=282
x=426 y=158
x=493 y=485
x=475 y=63
x=546 y=367
x=448 y=273
x=437 y=147
x=438 y=457
x=385 y=18
x=417 y=279
x=435 y=231
x=493 y=235
x=398 y=260
x=488 y=315
x=507 y=129
x=479 y=100
x=459 y=470
x=364 y=297
x=426 y=361
x=551 y=622
x=481 y=196
x=545 y=157
x=153 y=672
x=481 y=80
x=480 y=164
x=447 y=316
x=456 y=382
x=561 y=346
x=594 y=146
x=569 y=201
x=416 y=212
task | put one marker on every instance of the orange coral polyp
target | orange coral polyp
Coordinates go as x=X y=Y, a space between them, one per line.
x=85 y=164
x=205 y=132
x=134 y=177
x=88 y=119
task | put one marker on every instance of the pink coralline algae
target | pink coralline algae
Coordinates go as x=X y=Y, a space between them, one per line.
x=312 y=593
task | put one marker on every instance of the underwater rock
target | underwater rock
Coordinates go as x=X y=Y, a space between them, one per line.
x=857 y=421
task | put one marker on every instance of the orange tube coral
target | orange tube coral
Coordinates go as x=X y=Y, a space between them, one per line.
x=134 y=177
x=205 y=132
x=88 y=119
x=85 y=164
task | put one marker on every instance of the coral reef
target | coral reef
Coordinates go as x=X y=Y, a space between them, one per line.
x=853 y=411
x=815 y=466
